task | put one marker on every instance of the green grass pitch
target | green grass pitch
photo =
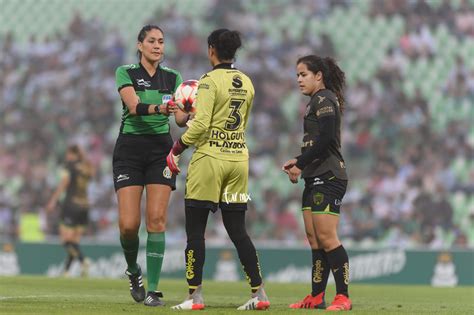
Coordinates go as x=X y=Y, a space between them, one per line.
x=41 y=295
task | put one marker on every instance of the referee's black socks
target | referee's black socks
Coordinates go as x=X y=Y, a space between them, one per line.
x=339 y=262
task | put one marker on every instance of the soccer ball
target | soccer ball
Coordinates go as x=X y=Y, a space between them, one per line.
x=186 y=95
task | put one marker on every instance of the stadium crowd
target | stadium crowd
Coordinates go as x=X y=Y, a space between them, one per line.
x=404 y=189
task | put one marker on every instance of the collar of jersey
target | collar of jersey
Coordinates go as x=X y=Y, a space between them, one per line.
x=158 y=68
x=224 y=66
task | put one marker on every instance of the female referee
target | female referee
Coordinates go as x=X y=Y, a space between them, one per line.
x=218 y=172
x=139 y=158
x=323 y=169
x=75 y=179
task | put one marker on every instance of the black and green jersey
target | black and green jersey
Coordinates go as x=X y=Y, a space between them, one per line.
x=157 y=89
x=79 y=179
x=321 y=148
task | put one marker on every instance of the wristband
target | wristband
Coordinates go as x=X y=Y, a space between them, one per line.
x=142 y=109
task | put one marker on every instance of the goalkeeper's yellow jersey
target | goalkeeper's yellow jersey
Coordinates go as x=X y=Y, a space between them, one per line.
x=224 y=100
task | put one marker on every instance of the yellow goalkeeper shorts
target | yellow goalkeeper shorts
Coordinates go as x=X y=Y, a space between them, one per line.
x=213 y=183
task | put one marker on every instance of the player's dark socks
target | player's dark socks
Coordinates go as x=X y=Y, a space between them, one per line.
x=68 y=262
x=339 y=262
x=234 y=222
x=319 y=272
x=130 y=251
x=79 y=254
x=68 y=246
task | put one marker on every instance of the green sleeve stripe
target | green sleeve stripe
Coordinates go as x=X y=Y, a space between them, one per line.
x=306 y=208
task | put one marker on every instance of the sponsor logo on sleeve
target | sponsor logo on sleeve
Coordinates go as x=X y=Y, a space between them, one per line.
x=325 y=110
x=166 y=98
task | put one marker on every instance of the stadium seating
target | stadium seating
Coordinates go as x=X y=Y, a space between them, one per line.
x=361 y=35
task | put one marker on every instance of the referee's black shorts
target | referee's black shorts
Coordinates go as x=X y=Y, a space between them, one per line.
x=141 y=160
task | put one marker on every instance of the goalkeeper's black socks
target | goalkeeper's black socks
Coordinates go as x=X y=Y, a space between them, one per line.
x=195 y=254
x=319 y=271
x=339 y=262
x=249 y=260
x=234 y=223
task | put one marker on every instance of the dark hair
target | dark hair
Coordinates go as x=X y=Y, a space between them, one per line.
x=77 y=151
x=142 y=34
x=225 y=42
x=81 y=157
x=333 y=77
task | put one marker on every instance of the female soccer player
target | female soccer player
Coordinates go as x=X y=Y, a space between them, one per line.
x=323 y=169
x=75 y=180
x=139 y=158
x=218 y=172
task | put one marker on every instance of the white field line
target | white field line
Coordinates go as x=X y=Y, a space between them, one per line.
x=49 y=296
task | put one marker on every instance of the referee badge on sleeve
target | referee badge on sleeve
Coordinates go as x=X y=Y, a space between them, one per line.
x=166 y=98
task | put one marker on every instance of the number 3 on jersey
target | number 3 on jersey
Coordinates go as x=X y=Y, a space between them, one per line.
x=235 y=119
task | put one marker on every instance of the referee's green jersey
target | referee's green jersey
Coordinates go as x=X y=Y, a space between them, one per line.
x=156 y=89
x=223 y=103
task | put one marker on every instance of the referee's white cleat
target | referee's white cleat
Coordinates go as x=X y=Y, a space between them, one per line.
x=259 y=301
x=194 y=302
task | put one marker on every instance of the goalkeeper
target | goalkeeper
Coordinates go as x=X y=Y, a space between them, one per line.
x=218 y=172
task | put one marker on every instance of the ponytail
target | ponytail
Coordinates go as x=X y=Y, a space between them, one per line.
x=335 y=80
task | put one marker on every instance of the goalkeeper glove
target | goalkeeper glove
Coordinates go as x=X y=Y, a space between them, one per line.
x=173 y=157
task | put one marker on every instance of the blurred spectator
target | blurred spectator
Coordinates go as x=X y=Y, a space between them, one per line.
x=411 y=176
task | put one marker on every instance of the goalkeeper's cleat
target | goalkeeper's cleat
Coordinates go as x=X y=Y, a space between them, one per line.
x=259 y=301
x=137 y=290
x=340 y=303
x=311 y=302
x=194 y=302
x=153 y=299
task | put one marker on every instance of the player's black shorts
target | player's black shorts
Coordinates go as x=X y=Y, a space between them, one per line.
x=324 y=193
x=141 y=160
x=73 y=215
